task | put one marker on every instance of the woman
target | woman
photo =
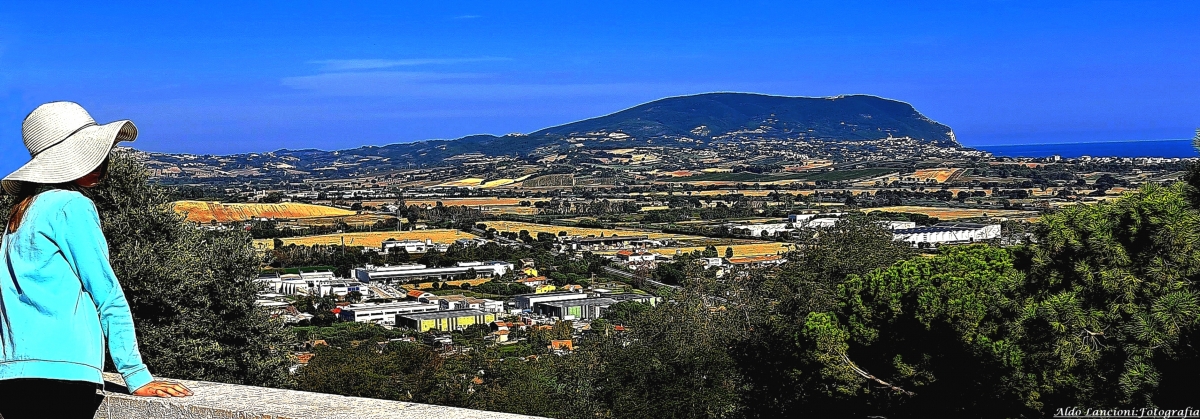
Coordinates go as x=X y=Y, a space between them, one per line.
x=60 y=303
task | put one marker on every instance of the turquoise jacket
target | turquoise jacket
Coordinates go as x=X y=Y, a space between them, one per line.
x=60 y=298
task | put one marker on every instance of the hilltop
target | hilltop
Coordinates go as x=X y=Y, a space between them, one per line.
x=817 y=127
x=727 y=115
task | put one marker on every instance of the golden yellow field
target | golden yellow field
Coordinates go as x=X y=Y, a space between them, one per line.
x=371 y=239
x=471 y=181
x=203 y=211
x=949 y=213
x=511 y=209
x=471 y=202
x=938 y=175
x=515 y=226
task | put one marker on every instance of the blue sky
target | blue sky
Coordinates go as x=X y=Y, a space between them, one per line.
x=225 y=77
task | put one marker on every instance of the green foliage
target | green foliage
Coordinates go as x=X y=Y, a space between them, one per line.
x=1116 y=299
x=191 y=292
x=1101 y=311
x=674 y=362
x=398 y=371
x=940 y=328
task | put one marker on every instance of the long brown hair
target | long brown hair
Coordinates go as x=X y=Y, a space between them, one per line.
x=24 y=197
x=29 y=190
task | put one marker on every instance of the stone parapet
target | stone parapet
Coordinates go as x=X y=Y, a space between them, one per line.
x=230 y=401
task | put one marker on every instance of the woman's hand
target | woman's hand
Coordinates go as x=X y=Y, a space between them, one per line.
x=163 y=389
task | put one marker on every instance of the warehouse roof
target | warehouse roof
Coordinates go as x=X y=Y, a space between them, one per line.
x=433 y=315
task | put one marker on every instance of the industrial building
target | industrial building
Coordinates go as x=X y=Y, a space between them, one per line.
x=414 y=271
x=321 y=283
x=383 y=313
x=587 y=307
x=412 y=246
x=600 y=243
x=526 y=301
x=444 y=320
x=947 y=233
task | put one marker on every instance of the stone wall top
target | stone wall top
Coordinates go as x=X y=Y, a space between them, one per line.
x=230 y=401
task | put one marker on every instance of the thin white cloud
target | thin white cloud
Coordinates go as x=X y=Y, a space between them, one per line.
x=459 y=86
x=375 y=64
x=364 y=82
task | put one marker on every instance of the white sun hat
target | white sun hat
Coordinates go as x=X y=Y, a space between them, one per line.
x=64 y=144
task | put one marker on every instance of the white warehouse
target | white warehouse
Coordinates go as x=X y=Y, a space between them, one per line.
x=414 y=271
x=947 y=233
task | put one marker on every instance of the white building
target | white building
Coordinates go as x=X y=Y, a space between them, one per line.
x=283 y=284
x=527 y=301
x=409 y=272
x=383 y=313
x=460 y=302
x=634 y=257
x=947 y=233
x=339 y=287
x=412 y=246
x=898 y=225
x=757 y=230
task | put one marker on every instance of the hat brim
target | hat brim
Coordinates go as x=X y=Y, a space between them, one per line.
x=74 y=157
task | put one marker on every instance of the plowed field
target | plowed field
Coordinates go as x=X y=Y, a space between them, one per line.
x=203 y=211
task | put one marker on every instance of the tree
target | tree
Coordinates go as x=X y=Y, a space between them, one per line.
x=1192 y=176
x=925 y=337
x=191 y=291
x=625 y=312
x=777 y=366
x=1116 y=308
x=271 y=198
x=673 y=361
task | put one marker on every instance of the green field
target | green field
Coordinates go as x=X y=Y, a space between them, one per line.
x=834 y=176
x=840 y=175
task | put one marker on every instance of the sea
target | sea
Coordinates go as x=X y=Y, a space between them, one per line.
x=1141 y=148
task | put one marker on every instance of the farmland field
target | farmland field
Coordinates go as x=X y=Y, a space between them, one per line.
x=471 y=202
x=746 y=249
x=471 y=181
x=833 y=176
x=939 y=175
x=371 y=239
x=515 y=226
x=840 y=175
x=950 y=213
x=203 y=211
x=354 y=220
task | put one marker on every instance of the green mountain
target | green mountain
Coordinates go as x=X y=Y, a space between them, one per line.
x=717 y=115
x=695 y=121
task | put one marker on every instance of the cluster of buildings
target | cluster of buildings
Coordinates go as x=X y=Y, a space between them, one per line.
x=417 y=272
x=318 y=283
x=906 y=231
x=614 y=242
x=426 y=312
